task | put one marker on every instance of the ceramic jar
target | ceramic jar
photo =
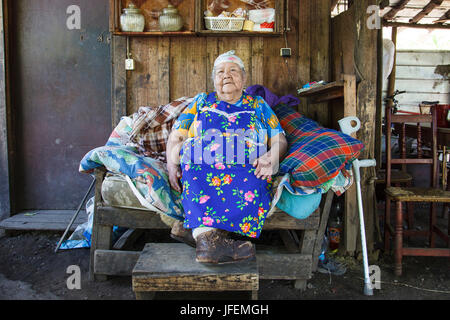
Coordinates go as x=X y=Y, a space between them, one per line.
x=170 y=20
x=132 y=19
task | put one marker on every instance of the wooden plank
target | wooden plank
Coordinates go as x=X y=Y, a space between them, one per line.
x=143 y=82
x=418 y=194
x=320 y=52
x=119 y=80
x=188 y=67
x=212 y=52
x=350 y=104
x=325 y=213
x=257 y=60
x=426 y=252
x=273 y=263
x=281 y=220
x=56 y=220
x=399 y=118
x=307 y=242
x=422 y=58
x=419 y=73
x=112 y=15
x=335 y=86
x=438 y=86
x=163 y=70
x=304 y=52
x=115 y=262
x=172 y=267
x=129 y=218
x=411 y=161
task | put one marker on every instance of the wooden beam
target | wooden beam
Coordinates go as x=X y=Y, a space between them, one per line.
x=426 y=10
x=395 y=9
x=119 y=79
x=444 y=18
x=383 y=4
x=320 y=52
x=415 y=25
x=304 y=52
x=365 y=59
x=334 y=4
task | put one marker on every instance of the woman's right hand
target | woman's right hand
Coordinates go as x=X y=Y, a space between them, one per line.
x=174 y=144
x=174 y=176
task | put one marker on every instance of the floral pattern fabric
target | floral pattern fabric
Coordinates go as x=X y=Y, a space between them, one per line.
x=220 y=188
x=266 y=123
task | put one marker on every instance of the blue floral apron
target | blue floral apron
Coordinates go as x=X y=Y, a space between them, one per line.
x=220 y=189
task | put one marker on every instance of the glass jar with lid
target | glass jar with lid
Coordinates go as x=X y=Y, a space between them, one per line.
x=132 y=20
x=170 y=20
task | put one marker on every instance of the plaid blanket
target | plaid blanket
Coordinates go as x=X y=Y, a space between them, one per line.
x=151 y=127
x=316 y=154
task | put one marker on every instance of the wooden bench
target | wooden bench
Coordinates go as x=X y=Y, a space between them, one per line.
x=295 y=260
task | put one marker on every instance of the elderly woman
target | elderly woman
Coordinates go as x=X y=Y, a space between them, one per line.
x=218 y=148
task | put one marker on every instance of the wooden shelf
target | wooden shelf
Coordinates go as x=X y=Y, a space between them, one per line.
x=154 y=33
x=329 y=91
x=192 y=14
x=193 y=33
x=238 y=33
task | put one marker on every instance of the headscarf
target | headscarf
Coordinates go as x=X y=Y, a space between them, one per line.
x=229 y=57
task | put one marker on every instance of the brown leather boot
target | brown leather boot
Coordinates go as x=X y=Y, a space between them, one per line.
x=181 y=234
x=214 y=247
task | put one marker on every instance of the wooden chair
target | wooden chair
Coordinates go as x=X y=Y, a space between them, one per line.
x=400 y=195
x=296 y=260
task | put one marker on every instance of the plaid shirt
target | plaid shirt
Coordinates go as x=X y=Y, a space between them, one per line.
x=151 y=127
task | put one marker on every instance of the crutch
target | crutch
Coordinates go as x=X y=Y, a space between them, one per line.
x=347 y=128
x=75 y=216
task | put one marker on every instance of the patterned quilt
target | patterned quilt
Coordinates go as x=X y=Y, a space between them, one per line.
x=147 y=177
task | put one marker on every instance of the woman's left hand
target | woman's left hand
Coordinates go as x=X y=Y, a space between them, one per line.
x=264 y=166
x=267 y=165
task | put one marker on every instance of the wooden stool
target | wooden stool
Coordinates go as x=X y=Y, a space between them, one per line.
x=172 y=267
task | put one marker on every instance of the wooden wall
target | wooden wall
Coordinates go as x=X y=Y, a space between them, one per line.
x=168 y=68
x=424 y=75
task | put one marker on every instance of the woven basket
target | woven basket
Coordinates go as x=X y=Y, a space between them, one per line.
x=224 y=24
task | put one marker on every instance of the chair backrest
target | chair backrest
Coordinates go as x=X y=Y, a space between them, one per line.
x=412 y=122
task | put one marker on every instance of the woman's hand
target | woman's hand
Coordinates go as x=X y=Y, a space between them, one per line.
x=174 y=177
x=174 y=144
x=264 y=166
x=267 y=164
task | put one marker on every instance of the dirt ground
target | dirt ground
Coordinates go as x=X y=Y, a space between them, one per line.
x=30 y=270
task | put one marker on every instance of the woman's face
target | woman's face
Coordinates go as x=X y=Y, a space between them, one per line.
x=229 y=78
